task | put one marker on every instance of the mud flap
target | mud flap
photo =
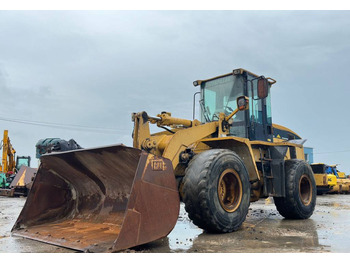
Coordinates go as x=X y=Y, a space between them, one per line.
x=100 y=200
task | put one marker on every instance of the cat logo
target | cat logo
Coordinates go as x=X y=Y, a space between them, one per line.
x=157 y=165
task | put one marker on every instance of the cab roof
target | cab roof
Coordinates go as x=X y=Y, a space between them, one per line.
x=238 y=71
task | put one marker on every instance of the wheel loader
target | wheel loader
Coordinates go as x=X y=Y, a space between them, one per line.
x=325 y=179
x=112 y=198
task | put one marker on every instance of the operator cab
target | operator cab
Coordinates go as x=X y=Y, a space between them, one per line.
x=22 y=161
x=219 y=94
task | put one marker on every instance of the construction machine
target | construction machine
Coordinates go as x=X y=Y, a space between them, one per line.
x=111 y=198
x=8 y=163
x=324 y=177
x=342 y=182
x=20 y=182
x=10 y=168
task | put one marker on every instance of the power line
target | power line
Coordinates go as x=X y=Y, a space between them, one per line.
x=64 y=126
x=332 y=152
x=52 y=124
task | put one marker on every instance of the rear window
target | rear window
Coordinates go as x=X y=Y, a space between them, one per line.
x=318 y=169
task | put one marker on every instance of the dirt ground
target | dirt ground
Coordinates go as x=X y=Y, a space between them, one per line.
x=264 y=231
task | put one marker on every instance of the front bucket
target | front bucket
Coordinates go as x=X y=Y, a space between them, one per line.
x=100 y=200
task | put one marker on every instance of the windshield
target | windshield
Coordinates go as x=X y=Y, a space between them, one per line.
x=22 y=162
x=219 y=95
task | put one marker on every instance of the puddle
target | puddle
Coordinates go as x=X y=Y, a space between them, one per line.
x=183 y=236
x=184 y=233
x=263 y=231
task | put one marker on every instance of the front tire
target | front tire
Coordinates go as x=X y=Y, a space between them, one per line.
x=216 y=190
x=300 y=199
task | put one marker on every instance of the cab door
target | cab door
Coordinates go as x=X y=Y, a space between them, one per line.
x=260 y=120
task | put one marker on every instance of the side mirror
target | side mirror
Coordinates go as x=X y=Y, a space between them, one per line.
x=242 y=103
x=263 y=90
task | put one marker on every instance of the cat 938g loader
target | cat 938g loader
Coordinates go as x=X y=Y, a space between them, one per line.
x=112 y=198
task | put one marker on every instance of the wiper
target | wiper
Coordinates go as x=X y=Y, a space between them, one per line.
x=205 y=112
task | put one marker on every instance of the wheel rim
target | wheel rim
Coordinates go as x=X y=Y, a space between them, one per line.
x=305 y=190
x=230 y=190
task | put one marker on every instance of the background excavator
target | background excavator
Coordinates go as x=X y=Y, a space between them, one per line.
x=111 y=198
x=15 y=172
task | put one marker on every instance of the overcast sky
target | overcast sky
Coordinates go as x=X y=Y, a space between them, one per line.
x=94 y=68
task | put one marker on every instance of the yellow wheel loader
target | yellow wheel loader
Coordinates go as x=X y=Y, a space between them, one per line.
x=324 y=177
x=112 y=198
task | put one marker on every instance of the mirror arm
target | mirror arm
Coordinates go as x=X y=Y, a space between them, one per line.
x=231 y=115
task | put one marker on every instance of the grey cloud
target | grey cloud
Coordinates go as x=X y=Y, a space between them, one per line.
x=94 y=68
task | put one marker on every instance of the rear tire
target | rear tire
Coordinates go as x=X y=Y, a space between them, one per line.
x=216 y=190
x=300 y=199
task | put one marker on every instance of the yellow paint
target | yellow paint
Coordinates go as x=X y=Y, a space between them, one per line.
x=342 y=183
x=331 y=180
x=8 y=155
x=21 y=180
x=284 y=129
x=196 y=137
x=325 y=180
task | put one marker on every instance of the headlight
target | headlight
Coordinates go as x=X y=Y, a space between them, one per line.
x=237 y=71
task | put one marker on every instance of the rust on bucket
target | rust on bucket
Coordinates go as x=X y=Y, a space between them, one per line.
x=100 y=200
